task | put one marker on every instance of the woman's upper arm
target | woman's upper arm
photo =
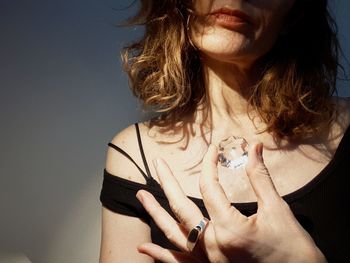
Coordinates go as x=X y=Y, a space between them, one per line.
x=120 y=237
x=122 y=234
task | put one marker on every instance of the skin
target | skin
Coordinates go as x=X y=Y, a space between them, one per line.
x=240 y=46
x=271 y=235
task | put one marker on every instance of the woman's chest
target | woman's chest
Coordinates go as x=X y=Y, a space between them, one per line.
x=288 y=175
x=289 y=171
x=290 y=167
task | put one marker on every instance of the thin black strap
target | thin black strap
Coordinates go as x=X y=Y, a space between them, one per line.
x=128 y=156
x=142 y=151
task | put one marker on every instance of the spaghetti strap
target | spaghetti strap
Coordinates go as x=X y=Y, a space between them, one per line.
x=142 y=151
x=148 y=177
x=115 y=147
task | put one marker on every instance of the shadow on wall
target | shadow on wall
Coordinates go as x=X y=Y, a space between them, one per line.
x=13 y=257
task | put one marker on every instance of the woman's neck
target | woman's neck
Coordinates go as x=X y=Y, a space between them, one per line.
x=228 y=89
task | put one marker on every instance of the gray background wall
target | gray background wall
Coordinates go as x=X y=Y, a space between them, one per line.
x=63 y=97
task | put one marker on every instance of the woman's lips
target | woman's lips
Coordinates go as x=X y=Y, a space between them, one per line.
x=230 y=18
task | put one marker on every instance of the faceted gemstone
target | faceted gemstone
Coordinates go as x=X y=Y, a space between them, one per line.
x=233 y=152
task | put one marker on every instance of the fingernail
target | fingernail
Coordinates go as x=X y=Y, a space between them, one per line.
x=142 y=248
x=139 y=196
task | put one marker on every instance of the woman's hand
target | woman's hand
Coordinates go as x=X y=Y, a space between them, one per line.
x=271 y=235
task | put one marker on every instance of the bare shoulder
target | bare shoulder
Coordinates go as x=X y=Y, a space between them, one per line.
x=343 y=104
x=118 y=164
x=115 y=226
x=340 y=123
x=343 y=112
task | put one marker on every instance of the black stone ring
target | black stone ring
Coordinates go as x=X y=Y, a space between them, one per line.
x=194 y=234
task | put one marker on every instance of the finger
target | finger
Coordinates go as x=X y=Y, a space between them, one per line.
x=184 y=209
x=171 y=229
x=259 y=175
x=165 y=255
x=214 y=197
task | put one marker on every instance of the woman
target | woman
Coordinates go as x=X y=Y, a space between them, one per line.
x=264 y=71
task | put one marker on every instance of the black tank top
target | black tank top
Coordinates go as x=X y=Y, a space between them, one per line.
x=320 y=206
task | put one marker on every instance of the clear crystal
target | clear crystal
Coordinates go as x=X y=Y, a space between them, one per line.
x=233 y=152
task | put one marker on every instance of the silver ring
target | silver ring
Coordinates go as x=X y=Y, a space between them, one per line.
x=194 y=234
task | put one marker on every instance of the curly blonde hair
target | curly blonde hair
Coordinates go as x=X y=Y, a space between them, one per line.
x=298 y=75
